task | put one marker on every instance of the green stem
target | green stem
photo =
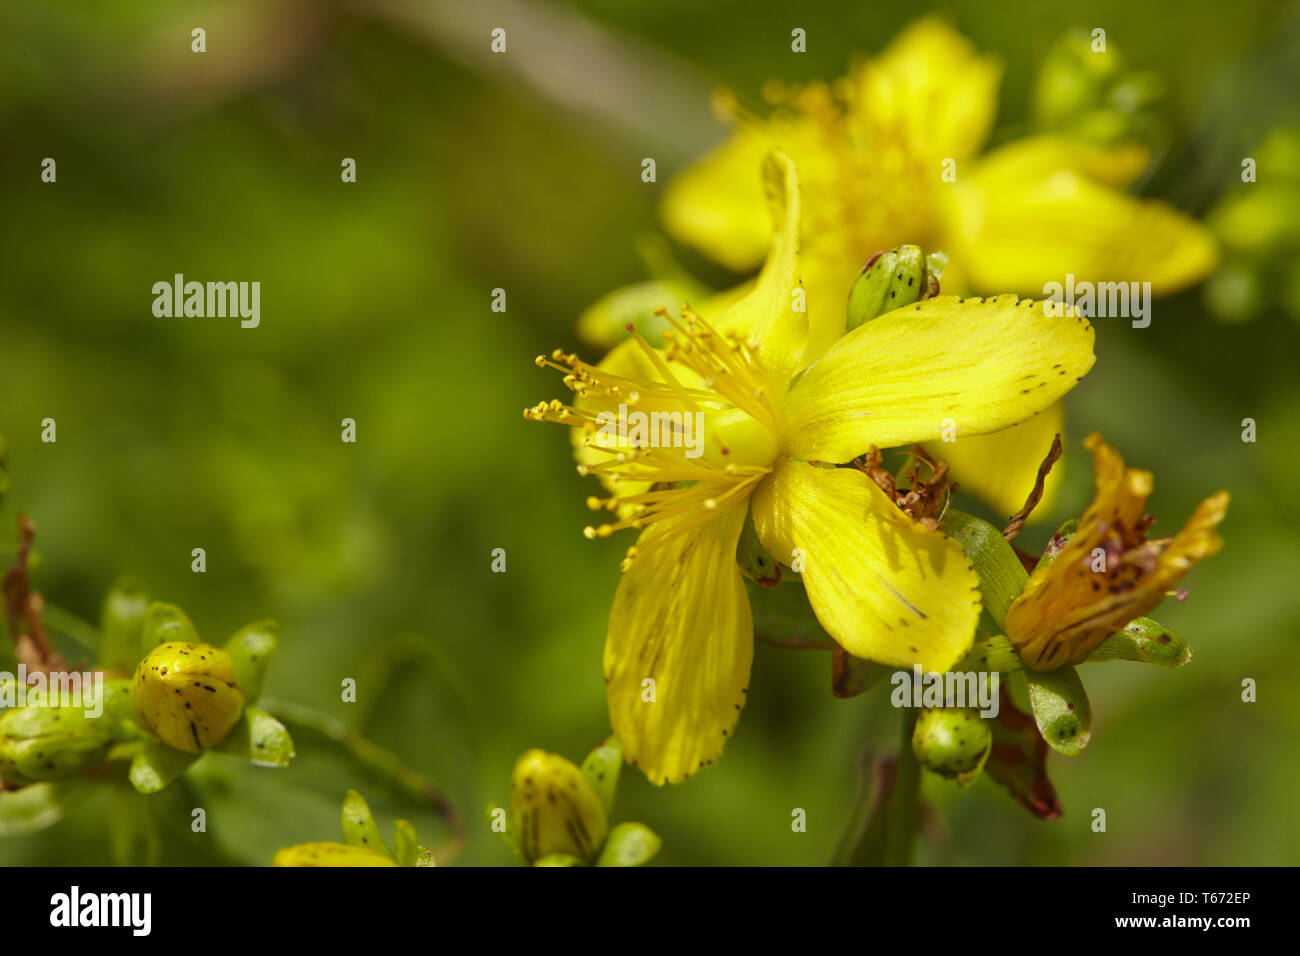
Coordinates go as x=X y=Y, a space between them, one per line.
x=887 y=816
x=905 y=800
x=384 y=763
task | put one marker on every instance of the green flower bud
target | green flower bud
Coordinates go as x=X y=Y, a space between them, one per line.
x=48 y=743
x=755 y=563
x=329 y=854
x=556 y=808
x=952 y=742
x=187 y=694
x=890 y=280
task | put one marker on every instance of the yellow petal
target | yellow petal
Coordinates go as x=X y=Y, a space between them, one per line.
x=329 y=854
x=679 y=646
x=1001 y=468
x=1036 y=158
x=1068 y=608
x=883 y=586
x=555 y=808
x=931 y=88
x=718 y=205
x=1013 y=230
x=773 y=317
x=973 y=365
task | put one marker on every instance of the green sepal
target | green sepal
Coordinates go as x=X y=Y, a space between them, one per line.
x=1057 y=543
x=155 y=765
x=994 y=653
x=121 y=620
x=359 y=827
x=601 y=768
x=164 y=623
x=629 y=844
x=1061 y=709
x=1145 y=641
x=259 y=738
x=1002 y=576
x=424 y=857
x=251 y=649
x=406 y=847
x=559 y=859
x=507 y=836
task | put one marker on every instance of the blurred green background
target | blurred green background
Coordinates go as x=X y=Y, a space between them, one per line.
x=522 y=172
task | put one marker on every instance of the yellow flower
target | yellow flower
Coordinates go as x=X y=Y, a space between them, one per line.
x=680 y=637
x=1109 y=572
x=872 y=150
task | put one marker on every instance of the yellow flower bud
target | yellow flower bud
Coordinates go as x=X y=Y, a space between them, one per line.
x=329 y=854
x=555 y=808
x=187 y=694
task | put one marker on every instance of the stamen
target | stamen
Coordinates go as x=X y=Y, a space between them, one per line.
x=683 y=492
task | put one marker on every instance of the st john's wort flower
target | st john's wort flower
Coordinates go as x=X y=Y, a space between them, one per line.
x=778 y=415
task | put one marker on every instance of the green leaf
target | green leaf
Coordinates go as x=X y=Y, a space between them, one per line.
x=886 y=814
x=601 y=768
x=1061 y=709
x=782 y=615
x=40 y=805
x=164 y=623
x=251 y=649
x=259 y=737
x=629 y=844
x=559 y=859
x=507 y=836
x=1018 y=760
x=359 y=827
x=155 y=765
x=1002 y=576
x=851 y=675
x=121 y=622
x=406 y=847
x=1145 y=641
